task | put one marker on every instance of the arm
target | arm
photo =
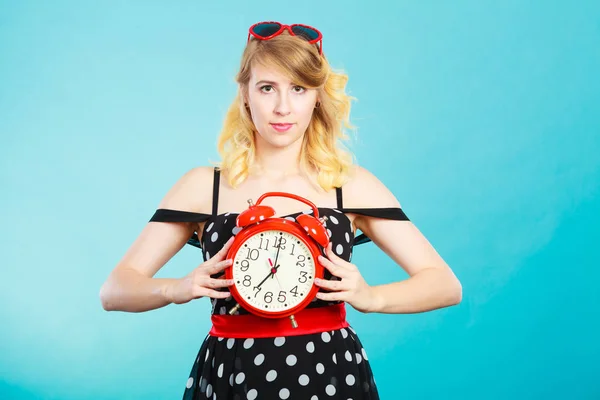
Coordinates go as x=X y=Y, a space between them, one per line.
x=131 y=286
x=431 y=284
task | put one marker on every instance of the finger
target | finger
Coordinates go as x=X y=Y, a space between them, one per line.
x=330 y=285
x=335 y=269
x=200 y=291
x=216 y=283
x=333 y=296
x=334 y=257
x=223 y=252
x=218 y=267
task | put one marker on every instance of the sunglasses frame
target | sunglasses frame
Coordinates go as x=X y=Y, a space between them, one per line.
x=283 y=27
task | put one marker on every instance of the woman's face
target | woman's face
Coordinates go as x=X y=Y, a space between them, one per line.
x=281 y=110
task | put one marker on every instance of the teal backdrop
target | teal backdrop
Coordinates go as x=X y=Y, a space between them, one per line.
x=482 y=117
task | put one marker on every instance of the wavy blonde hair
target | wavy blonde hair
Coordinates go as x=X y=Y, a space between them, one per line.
x=322 y=147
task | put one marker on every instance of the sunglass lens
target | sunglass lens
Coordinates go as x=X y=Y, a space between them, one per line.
x=266 y=29
x=305 y=32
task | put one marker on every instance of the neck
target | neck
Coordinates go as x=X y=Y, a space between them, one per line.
x=275 y=162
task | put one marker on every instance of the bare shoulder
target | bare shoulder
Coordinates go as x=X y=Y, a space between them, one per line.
x=365 y=190
x=192 y=192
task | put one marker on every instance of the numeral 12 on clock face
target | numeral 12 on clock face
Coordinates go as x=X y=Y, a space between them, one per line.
x=273 y=270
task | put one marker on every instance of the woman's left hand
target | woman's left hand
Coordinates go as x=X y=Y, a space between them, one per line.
x=351 y=287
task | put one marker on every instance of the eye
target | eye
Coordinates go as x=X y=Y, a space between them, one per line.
x=266 y=88
x=298 y=89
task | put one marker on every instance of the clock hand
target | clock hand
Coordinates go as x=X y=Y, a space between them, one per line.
x=273 y=270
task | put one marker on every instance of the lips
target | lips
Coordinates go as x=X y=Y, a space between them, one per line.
x=281 y=127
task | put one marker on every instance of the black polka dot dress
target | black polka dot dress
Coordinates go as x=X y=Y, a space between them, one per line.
x=326 y=365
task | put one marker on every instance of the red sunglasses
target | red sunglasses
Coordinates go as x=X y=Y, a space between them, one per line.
x=269 y=29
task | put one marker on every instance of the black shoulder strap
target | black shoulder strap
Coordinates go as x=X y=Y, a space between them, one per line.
x=215 y=201
x=340 y=202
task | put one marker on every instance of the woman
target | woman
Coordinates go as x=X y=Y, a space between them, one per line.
x=282 y=133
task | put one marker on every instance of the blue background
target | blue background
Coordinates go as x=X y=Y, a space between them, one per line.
x=482 y=117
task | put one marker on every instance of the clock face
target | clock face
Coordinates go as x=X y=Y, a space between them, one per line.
x=273 y=270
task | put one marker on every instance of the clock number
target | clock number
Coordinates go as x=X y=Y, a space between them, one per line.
x=293 y=247
x=245 y=265
x=258 y=289
x=269 y=296
x=294 y=291
x=252 y=254
x=246 y=282
x=261 y=244
x=279 y=242
x=281 y=296
x=301 y=259
x=302 y=278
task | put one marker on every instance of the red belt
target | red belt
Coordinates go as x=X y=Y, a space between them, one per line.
x=310 y=320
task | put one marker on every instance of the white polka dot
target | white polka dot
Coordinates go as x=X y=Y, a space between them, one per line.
x=214 y=237
x=350 y=380
x=230 y=343
x=227 y=215
x=303 y=380
x=209 y=390
x=248 y=343
x=239 y=378
x=214 y=396
x=309 y=211
x=358 y=358
x=231 y=380
x=314 y=397
x=271 y=375
x=328 y=232
x=291 y=360
x=279 y=341
x=284 y=393
x=220 y=371
x=206 y=357
x=337 y=211
x=333 y=219
x=364 y=354
x=348 y=356
x=223 y=311
x=320 y=368
x=220 y=339
x=252 y=394
x=326 y=337
x=334 y=358
x=290 y=218
x=236 y=230
x=344 y=333
x=189 y=383
x=209 y=227
x=224 y=222
x=347 y=237
x=310 y=347
x=330 y=390
x=258 y=360
x=339 y=249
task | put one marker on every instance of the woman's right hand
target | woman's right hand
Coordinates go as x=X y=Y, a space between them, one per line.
x=199 y=283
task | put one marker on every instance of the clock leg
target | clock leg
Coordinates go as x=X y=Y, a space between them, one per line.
x=293 y=321
x=234 y=309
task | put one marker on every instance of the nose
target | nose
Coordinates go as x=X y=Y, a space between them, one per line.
x=282 y=107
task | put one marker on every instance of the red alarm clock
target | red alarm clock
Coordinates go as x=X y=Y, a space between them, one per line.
x=275 y=260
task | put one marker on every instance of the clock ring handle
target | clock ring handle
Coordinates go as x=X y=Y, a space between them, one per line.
x=291 y=196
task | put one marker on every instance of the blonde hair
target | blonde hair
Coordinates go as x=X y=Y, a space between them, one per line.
x=322 y=147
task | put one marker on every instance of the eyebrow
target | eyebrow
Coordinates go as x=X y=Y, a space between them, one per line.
x=266 y=83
